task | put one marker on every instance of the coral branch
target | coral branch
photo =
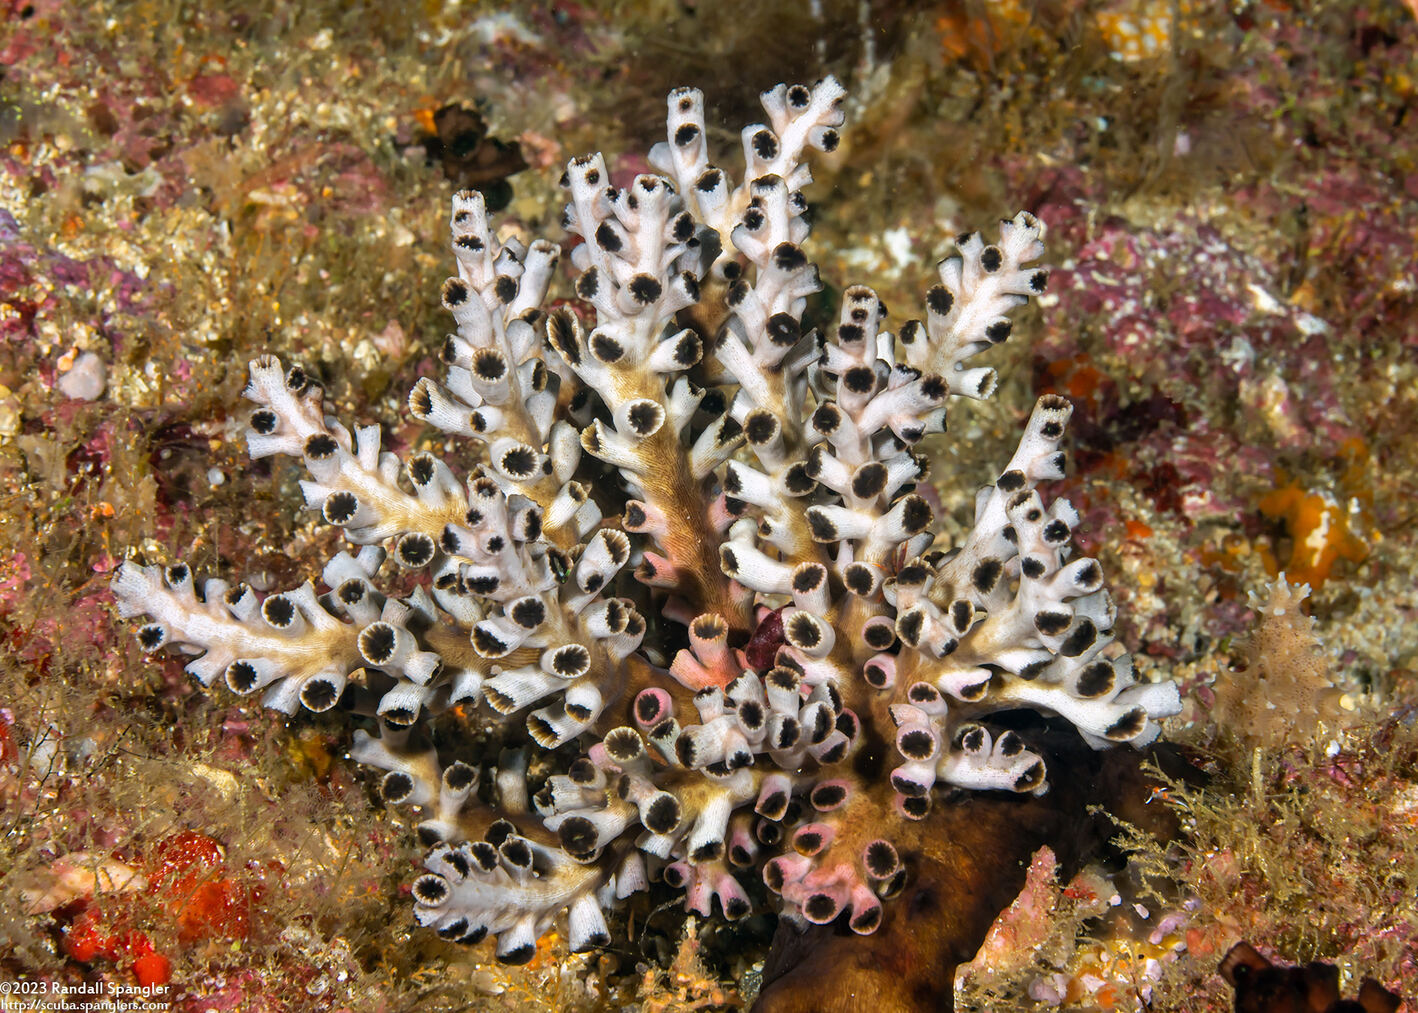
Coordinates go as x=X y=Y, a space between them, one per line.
x=693 y=548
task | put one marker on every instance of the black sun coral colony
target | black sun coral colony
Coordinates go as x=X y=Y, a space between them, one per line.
x=704 y=661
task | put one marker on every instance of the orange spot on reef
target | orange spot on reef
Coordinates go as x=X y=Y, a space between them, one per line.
x=1322 y=531
x=1138 y=531
x=546 y=953
x=979 y=35
x=1075 y=378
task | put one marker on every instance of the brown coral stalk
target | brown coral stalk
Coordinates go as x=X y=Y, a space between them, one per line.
x=967 y=862
x=690 y=543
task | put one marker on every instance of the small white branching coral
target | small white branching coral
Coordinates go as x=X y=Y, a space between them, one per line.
x=691 y=576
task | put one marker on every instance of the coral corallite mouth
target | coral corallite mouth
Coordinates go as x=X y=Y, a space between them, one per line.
x=842 y=661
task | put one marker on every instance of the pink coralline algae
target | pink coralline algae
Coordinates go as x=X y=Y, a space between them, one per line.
x=688 y=621
x=1196 y=313
x=35 y=282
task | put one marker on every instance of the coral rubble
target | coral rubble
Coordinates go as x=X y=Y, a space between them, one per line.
x=690 y=586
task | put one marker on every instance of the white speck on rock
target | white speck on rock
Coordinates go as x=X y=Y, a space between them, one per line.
x=85 y=378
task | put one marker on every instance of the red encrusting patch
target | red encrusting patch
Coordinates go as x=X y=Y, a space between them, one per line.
x=762 y=647
x=190 y=886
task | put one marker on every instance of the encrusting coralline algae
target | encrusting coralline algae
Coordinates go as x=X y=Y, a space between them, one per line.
x=691 y=577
